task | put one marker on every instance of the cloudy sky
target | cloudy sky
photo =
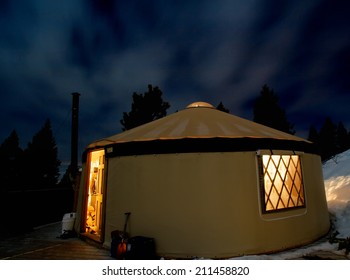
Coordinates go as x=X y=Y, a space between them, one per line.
x=212 y=51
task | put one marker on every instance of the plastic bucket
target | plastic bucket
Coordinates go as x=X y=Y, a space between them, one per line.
x=68 y=222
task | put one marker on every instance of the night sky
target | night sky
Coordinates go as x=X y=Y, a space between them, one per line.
x=193 y=50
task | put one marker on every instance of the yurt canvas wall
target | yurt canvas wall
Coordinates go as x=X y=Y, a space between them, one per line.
x=212 y=197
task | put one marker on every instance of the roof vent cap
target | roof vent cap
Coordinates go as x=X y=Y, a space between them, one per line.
x=200 y=104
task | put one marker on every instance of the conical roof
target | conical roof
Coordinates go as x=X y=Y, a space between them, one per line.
x=198 y=120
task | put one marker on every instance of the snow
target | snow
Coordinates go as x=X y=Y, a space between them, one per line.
x=337 y=166
x=336 y=173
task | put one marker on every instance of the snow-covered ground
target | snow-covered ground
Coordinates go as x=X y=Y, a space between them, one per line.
x=336 y=173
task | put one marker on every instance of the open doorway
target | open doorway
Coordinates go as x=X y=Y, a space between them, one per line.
x=94 y=205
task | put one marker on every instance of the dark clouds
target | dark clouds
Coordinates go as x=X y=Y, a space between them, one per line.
x=193 y=50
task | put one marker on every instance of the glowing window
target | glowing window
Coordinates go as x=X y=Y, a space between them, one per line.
x=281 y=182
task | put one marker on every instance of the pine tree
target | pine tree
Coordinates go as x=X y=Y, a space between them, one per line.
x=331 y=140
x=10 y=162
x=342 y=136
x=41 y=162
x=328 y=142
x=222 y=108
x=145 y=108
x=314 y=137
x=268 y=112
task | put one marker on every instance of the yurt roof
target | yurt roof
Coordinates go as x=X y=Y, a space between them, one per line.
x=198 y=120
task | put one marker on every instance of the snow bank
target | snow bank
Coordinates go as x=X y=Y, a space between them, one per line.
x=337 y=166
x=295 y=253
x=336 y=173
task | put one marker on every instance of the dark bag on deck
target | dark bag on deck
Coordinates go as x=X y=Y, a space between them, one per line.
x=141 y=248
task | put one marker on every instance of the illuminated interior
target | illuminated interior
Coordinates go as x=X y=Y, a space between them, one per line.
x=283 y=183
x=95 y=193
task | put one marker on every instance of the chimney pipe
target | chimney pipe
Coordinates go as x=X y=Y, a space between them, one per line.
x=74 y=134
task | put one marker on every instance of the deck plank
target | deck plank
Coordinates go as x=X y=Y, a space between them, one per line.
x=43 y=244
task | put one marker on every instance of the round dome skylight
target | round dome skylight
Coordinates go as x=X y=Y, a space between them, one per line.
x=200 y=104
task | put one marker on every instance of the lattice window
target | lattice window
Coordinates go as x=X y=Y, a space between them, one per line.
x=282 y=182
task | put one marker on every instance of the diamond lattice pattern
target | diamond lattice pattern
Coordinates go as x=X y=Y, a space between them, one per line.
x=283 y=182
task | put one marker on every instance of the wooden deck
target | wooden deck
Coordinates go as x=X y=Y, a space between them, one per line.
x=43 y=244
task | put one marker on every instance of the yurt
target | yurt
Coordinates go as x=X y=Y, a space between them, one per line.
x=204 y=183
